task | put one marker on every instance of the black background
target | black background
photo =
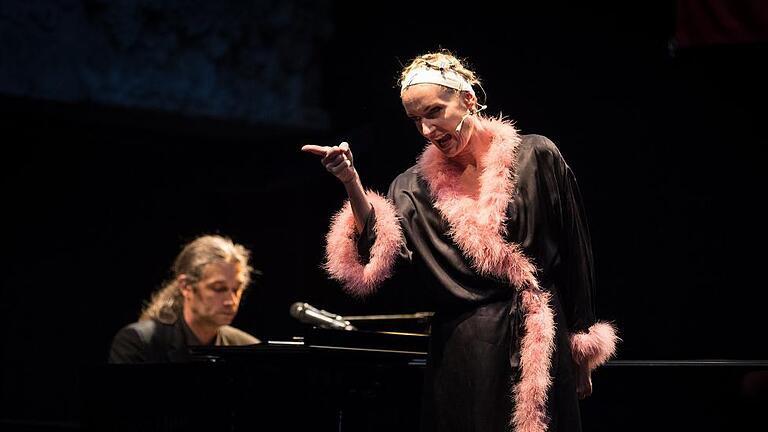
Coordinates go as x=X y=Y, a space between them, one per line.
x=666 y=143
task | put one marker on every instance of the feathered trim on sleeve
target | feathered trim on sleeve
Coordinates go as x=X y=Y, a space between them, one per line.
x=342 y=259
x=594 y=347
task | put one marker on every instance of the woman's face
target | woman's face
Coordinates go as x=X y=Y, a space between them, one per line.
x=436 y=112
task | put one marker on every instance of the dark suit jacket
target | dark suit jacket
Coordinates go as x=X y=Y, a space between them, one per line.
x=151 y=341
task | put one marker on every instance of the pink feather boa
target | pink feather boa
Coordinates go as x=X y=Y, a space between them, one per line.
x=478 y=228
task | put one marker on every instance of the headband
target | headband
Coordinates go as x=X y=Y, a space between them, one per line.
x=443 y=77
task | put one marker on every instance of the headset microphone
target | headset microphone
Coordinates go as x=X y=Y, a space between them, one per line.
x=469 y=113
x=464 y=117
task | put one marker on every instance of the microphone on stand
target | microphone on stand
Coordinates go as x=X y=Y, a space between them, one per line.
x=309 y=314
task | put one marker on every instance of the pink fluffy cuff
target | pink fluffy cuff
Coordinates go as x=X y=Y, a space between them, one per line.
x=342 y=260
x=594 y=347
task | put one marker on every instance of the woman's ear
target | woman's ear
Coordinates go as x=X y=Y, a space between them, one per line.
x=470 y=100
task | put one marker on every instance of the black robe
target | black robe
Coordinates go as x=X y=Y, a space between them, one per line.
x=475 y=353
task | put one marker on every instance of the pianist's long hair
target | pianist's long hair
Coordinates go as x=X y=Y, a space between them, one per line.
x=167 y=302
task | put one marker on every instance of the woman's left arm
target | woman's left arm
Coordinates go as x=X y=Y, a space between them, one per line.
x=592 y=342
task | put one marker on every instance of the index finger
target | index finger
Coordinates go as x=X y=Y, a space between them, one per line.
x=316 y=149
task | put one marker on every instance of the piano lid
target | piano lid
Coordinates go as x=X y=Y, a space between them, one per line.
x=327 y=343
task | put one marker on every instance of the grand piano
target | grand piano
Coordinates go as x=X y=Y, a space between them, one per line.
x=326 y=380
x=370 y=380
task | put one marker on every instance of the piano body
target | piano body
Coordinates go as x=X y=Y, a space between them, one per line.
x=370 y=380
x=330 y=380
